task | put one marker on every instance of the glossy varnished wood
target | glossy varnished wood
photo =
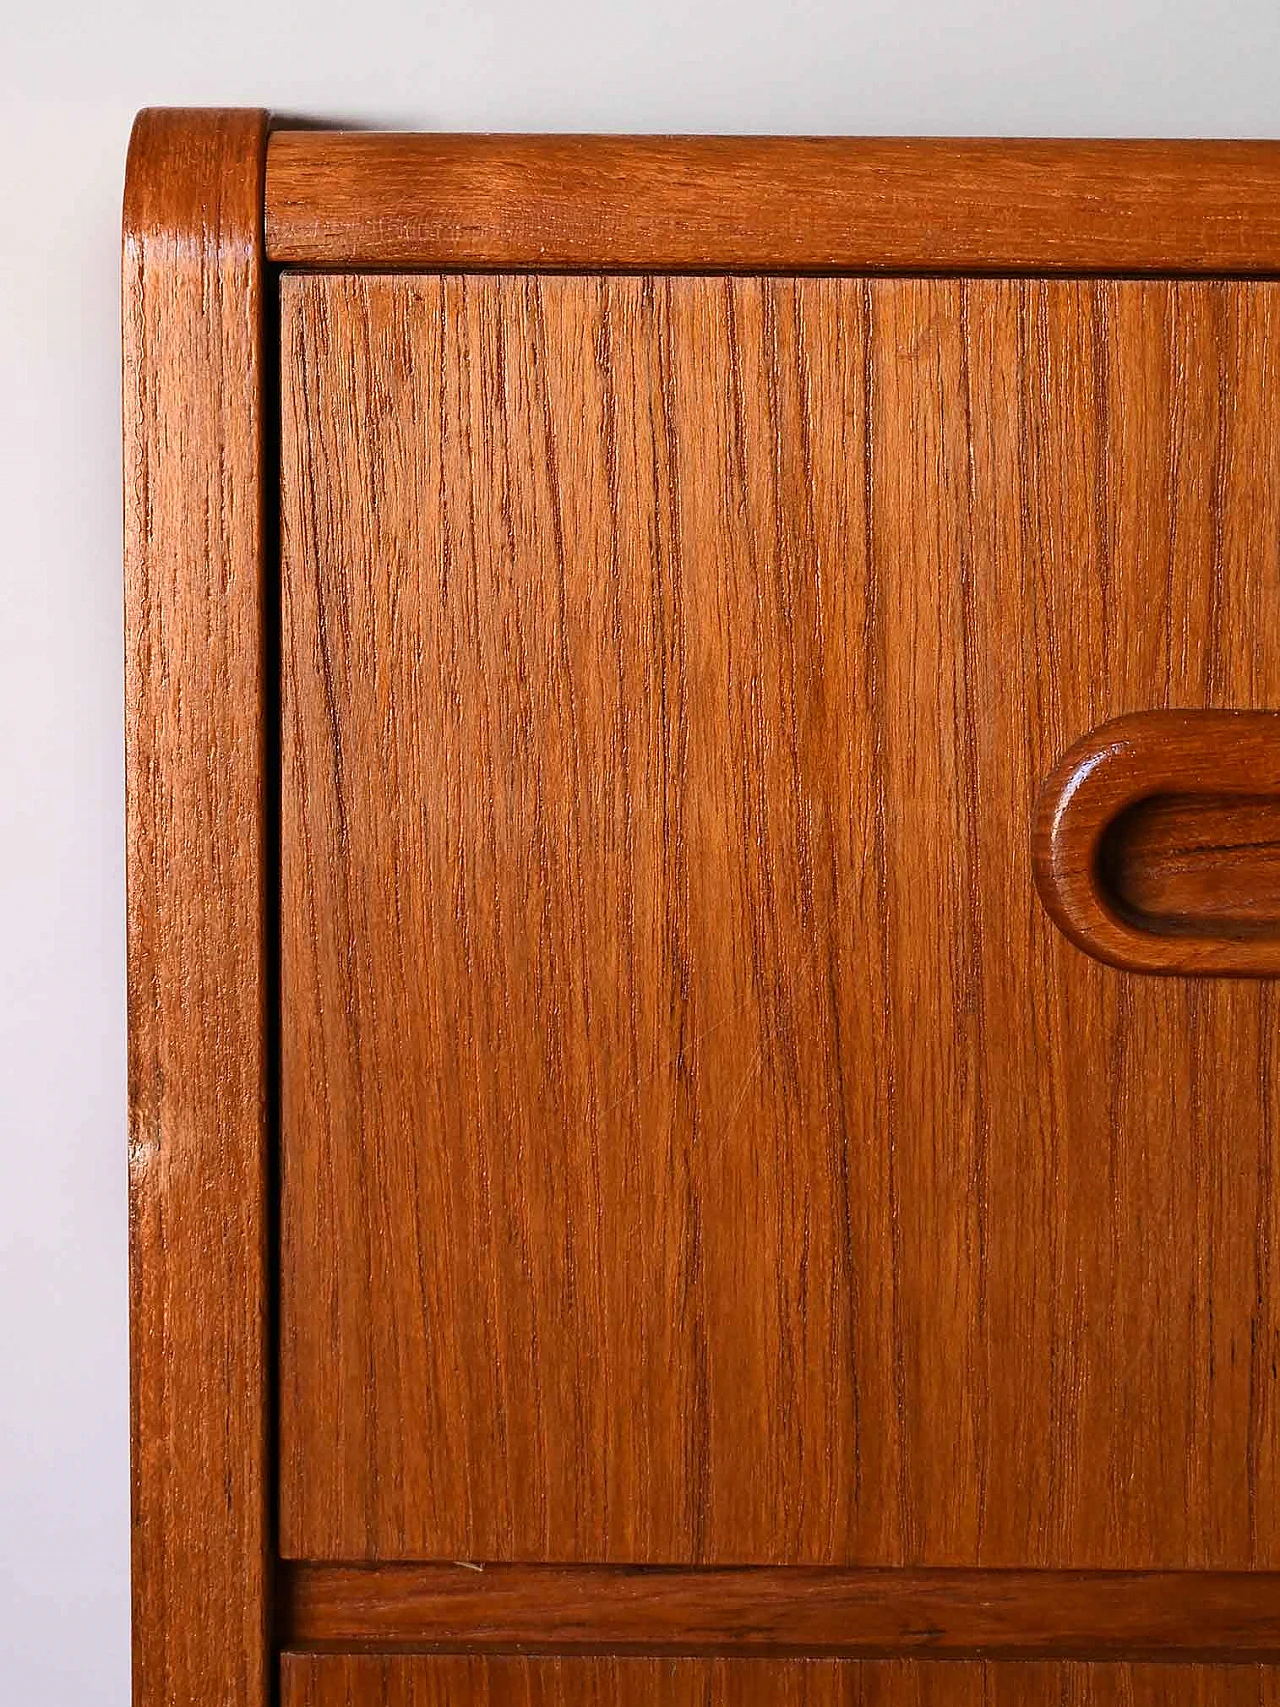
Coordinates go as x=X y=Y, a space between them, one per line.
x=760 y=204
x=1218 y=916
x=563 y=1609
x=432 y=1681
x=196 y=713
x=699 y=1145
x=1195 y=861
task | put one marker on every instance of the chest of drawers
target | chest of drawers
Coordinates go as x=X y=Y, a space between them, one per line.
x=704 y=812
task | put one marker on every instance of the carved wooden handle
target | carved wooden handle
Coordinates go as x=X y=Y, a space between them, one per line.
x=1156 y=843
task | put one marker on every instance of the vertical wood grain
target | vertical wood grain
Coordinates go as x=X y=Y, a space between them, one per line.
x=195 y=721
x=698 y=1144
x=446 y=1681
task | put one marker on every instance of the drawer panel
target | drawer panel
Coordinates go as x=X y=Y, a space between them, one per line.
x=698 y=1144
x=449 y=1681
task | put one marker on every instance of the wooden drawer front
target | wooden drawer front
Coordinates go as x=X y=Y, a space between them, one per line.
x=698 y=1145
x=422 y=1681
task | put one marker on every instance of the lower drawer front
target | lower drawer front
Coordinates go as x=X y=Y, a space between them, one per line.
x=419 y=1680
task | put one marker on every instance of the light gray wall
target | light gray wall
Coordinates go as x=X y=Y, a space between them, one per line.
x=72 y=75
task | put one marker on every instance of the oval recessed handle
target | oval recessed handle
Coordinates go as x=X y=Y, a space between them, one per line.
x=1156 y=843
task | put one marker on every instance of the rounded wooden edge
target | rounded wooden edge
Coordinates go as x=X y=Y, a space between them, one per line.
x=195 y=179
x=1116 y=765
x=772 y=203
x=194 y=410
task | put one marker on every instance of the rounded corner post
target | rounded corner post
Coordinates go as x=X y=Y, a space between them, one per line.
x=194 y=403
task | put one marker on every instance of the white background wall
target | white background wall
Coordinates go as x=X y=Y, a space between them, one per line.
x=71 y=75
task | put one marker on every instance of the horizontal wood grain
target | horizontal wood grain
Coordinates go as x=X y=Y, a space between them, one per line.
x=196 y=712
x=1191 y=862
x=759 y=204
x=699 y=1145
x=1084 y=852
x=447 y=1681
x=1028 y=1614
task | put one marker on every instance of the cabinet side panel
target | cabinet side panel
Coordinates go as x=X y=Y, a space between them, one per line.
x=195 y=708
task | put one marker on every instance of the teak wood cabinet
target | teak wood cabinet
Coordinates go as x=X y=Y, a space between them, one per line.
x=704 y=813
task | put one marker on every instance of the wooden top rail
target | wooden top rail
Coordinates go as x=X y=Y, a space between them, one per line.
x=758 y=204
